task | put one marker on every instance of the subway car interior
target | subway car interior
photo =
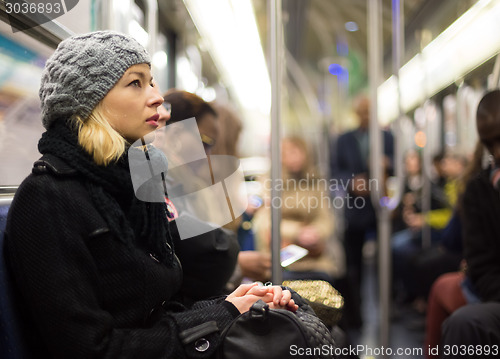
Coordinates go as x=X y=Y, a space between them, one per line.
x=301 y=69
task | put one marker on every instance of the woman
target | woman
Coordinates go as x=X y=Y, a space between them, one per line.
x=307 y=220
x=94 y=265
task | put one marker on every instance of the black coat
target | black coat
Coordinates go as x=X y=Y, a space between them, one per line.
x=346 y=161
x=85 y=293
x=481 y=223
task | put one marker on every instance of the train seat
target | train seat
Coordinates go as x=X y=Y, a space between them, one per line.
x=11 y=340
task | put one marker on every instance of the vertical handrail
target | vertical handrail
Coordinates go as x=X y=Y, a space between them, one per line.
x=105 y=11
x=376 y=167
x=276 y=58
x=152 y=24
x=399 y=139
x=427 y=186
x=374 y=74
x=495 y=75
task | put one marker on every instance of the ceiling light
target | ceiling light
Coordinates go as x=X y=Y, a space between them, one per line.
x=351 y=26
x=229 y=29
x=464 y=45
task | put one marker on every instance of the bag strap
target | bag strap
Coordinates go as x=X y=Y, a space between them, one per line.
x=259 y=310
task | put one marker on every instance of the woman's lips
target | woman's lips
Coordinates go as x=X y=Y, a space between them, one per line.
x=153 y=120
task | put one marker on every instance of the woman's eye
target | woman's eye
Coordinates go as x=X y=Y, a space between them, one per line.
x=135 y=83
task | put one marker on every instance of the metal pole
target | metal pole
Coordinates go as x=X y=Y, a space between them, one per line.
x=427 y=187
x=399 y=135
x=495 y=75
x=276 y=75
x=376 y=167
x=426 y=154
x=152 y=24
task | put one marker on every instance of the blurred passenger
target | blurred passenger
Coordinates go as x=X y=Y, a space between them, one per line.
x=438 y=176
x=447 y=254
x=351 y=165
x=481 y=207
x=413 y=185
x=481 y=226
x=207 y=259
x=408 y=243
x=94 y=266
x=252 y=264
x=307 y=219
x=474 y=330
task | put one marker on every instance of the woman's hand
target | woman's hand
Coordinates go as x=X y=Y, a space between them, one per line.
x=310 y=238
x=247 y=294
x=280 y=299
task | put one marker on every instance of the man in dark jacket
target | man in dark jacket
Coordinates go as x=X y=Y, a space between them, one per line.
x=481 y=214
x=350 y=168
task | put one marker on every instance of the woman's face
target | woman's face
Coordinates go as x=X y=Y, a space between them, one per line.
x=131 y=105
x=412 y=162
x=292 y=157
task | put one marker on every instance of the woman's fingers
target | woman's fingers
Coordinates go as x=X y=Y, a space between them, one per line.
x=292 y=306
x=259 y=291
x=277 y=294
x=242 y=290
x=274 y=296
x=286 y=297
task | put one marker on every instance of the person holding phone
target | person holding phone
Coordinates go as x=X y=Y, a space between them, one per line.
x=307 y=219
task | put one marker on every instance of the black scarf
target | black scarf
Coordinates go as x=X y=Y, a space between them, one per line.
x=112 y=191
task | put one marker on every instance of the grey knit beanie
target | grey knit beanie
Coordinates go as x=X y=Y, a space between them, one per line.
x=83 y=69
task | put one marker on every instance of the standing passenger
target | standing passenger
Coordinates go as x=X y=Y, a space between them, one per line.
x=93 y=265
x=350 y=164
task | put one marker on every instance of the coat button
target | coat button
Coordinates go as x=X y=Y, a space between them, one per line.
x=201 y=345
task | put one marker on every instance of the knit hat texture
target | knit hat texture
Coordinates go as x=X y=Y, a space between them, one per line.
x=83 y=69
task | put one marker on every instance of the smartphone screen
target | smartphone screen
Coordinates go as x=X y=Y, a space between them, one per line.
x=292 y=253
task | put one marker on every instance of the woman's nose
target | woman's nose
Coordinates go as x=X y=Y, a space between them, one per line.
x=156 y=99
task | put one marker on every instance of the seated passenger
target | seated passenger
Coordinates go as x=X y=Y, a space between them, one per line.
x=94 y=266
x=407 y=244
x=480 y=214
x=208 y=259
x=307 y=219
x=474 y=330
x=252 y=264
x=446 y=255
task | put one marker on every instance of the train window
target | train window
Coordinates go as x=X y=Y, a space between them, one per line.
x=140 y=8
x=22 y=58
x=137 y=24
x=21 y=62
x=160 y=62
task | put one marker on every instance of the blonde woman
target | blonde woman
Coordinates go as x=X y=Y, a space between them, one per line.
x=94 y=267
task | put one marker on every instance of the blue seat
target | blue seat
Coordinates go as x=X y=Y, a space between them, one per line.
x=12 y=344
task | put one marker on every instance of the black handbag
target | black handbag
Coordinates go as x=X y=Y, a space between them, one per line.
x=263 y=333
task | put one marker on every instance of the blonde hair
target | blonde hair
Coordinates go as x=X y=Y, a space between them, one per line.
x=98 y=138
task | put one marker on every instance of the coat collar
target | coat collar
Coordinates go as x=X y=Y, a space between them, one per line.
x=51 y=163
